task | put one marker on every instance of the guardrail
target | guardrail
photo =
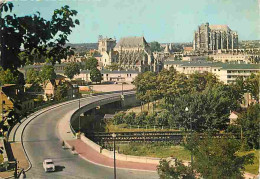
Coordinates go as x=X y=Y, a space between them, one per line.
x=99 y=102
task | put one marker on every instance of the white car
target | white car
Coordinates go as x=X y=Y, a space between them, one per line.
x=48 y=165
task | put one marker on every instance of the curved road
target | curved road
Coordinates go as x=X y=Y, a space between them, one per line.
x=41 y=140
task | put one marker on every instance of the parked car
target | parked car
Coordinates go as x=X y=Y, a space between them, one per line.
x=48 y=165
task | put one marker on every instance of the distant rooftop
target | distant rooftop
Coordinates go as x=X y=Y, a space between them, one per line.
x=219 y=27
x=131 y=42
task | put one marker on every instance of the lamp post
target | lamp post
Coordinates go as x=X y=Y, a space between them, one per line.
x=122 y=89
x=114 y=139
x=191 y=155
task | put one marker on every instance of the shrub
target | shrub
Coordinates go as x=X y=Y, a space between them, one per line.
x=119 y=118
x=130 y=118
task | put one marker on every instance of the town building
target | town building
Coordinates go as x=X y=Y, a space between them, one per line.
x=126 y=76
x=106 y=51
x=233 y=58
x=226 y=72
x=214 y=37
x=50 y=88
x=13 y=98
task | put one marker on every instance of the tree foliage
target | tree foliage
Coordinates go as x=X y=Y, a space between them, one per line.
x=47 y=73
x=217 y=157
x=207 y=110
x=32 y=76
x=91 y=63
x=176 y=171
x=155 y=46
x=61 y=92
x=249 y=120
x=72 y=69
x=37 y=36
x=95 y=75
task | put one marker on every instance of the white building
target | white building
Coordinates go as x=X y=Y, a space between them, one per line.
x=226 y=73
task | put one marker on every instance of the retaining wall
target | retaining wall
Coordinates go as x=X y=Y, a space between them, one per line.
x=121 y=157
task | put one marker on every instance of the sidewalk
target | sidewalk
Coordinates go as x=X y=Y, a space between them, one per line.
x=19 y=155
x=93 y=156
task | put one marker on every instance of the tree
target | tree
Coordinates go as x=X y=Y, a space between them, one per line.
x=217 y=157
x=199 y=81
x=145 y=84
x=7 y=77
x=47 y=73
x=119 y=118
x=207 y=110
x=37 y=36
x=252 y=85
x=91 y=63
x=178 y=170
x=171 y=84
x=249 y=120
x=130 y=118
x=61 y=92
x=95 y=75
x=72 y=69
x=32 y=76
x=155 y=46
x=163 y=117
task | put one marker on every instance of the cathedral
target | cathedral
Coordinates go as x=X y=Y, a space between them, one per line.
x=134 y=53
x=209 y=38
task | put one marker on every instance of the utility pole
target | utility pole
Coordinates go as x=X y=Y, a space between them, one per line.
x=114 y=139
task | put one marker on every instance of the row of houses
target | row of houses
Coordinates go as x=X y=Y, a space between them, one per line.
x=226 y=73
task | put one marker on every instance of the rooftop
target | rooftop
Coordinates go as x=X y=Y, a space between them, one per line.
x=131 y=42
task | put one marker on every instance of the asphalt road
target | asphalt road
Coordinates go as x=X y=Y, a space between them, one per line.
x=41 y=141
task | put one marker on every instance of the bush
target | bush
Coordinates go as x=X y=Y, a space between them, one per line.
x=150 y=119
x=162 y=118
x=130 y=118
x=141 y=118
x=119 y=118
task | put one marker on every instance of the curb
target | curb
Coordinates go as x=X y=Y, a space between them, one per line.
x=84 y=158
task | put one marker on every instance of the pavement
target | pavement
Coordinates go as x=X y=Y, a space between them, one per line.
x=89 y=154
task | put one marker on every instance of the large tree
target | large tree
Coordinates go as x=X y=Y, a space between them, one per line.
x=217 y=157
x=249 y=120
x=32 y=76
x=34 y=36
x=199 y=81
x=72 y=69
x=47 y=73
x=9 y=77
x=155 y=46
x=95 y=75
x=207 y=110
x=91 y=63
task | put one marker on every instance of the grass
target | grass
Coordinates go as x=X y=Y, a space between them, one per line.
x=254 y=167
x=155 y=150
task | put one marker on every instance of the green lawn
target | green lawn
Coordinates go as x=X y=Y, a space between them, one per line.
x=255 y=167
x=155 y=150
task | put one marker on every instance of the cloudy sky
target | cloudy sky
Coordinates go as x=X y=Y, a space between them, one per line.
x=158 y=20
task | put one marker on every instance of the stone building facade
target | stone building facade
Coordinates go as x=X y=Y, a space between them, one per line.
x=214 y=37
x=105 y=49
x=134 y=53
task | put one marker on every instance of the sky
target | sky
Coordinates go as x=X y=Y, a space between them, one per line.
x=165 y=21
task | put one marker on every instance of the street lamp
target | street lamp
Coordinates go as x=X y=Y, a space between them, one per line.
x=191 y=155
x=114 y=139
